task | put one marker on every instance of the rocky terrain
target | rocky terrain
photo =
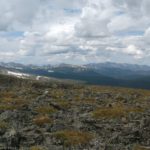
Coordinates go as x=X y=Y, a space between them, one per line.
x=51 y=115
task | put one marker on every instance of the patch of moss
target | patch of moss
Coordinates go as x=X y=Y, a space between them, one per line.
x=114 y=111
x=138 y=147
x=41 y=120
x=3 y=125
x=64 y=104
x=72 y=138
x=37 y=148
x=45 y=110
x=7 y=107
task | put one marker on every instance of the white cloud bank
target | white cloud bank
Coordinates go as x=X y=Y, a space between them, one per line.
x=75 y=31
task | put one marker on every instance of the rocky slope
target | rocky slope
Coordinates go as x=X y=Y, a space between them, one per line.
x=54 y=115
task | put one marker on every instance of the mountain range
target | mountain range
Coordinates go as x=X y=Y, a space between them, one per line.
x=111 y=74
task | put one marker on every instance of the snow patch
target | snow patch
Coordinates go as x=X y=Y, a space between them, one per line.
x=50 y=71
x=17 y=74
x=38 y=77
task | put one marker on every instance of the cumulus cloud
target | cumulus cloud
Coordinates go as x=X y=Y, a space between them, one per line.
x=133 y=50
x=76 y=31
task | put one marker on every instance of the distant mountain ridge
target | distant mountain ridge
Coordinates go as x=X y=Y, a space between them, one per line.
x=123 y=71
x=113 y=74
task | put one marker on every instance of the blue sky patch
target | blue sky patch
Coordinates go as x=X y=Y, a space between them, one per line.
x=72 y=11
x=130 y=33
x=14 y=34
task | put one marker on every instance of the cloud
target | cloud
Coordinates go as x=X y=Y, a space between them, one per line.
x=133 y=50
x=94 y=19
x=77 y=31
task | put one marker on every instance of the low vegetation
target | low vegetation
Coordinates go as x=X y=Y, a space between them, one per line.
x=45 y=110
x=37 y=148
x=42 y=120
x=64 y=104
x=115 y=111
x=3 y=125
x=73 y=138
x=46 y=115
x=138 y=147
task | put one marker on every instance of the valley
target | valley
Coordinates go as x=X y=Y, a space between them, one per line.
x=110 y=74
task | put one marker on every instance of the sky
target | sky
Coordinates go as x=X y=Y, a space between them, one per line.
x=75 y=31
